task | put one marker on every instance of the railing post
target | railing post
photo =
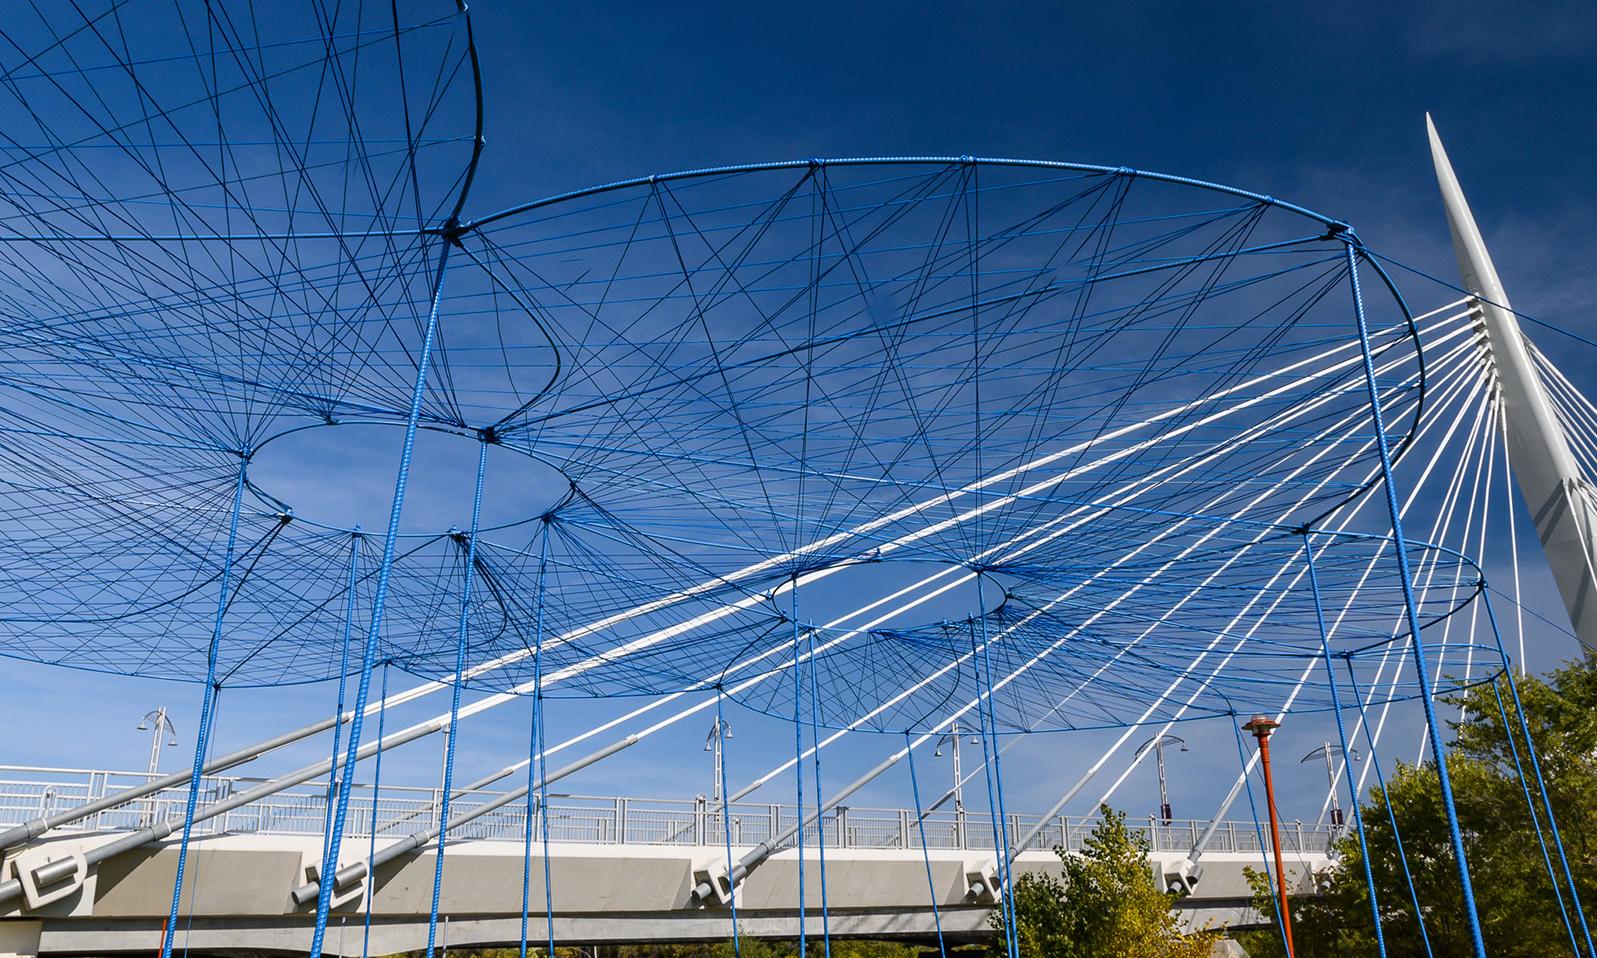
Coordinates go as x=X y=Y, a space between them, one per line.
x=105 y=786
x=93 y=793
x=1153 y=834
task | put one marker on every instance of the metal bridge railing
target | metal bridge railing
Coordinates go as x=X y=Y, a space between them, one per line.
x=28 y=792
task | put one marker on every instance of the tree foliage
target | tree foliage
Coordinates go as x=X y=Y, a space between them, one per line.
x=746 y=948
x=1105 y=905
x=1519 y=909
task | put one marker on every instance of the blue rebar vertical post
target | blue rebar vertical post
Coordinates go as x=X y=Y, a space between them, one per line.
x=1405 y=578
x=926 y=855
x=1006 y=876
x=1347 y=752
x=726 y=823
x=343 y=684
x=371 y=833
x=1536 y=768
x=986 y=718
x=798 y=771
x=1391 y=811
x=461 y=635
x=541 y=729
x=526 y=827
x=385 y=568
x=533 y=733
x=207 y=703
x=820 y=801
x=1535 y=820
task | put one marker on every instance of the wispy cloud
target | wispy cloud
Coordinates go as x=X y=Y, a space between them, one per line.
x=1506 y=31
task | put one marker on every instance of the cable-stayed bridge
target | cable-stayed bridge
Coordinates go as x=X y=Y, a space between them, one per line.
x=883 y=453
x=93 y=851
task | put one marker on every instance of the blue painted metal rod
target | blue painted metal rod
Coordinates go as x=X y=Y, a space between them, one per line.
x=380 y=597
x=207 y=708
x=468 y=575
x=1411 y=611
x=1347 y=753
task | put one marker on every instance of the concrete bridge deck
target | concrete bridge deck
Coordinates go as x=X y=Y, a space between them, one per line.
x=622 y=870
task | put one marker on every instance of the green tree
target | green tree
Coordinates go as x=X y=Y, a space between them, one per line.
x=1105 y=905
x=1515 y=897
x=747 y=948
x=1319 y=927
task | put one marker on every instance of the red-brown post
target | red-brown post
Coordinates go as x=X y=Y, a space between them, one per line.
x=1261 y=726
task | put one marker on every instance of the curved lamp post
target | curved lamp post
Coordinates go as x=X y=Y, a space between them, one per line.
x=1329 y=751
x=1159 y=743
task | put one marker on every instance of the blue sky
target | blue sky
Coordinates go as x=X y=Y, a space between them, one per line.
x=1319 y=104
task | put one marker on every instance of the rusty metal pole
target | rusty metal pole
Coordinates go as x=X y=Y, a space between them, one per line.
x=1261 y=726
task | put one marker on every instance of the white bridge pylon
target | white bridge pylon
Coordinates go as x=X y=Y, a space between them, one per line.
x=1560 y=500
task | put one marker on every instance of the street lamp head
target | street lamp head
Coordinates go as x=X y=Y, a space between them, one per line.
x=1327 y=750
x=1161 y=741
x=1261 y=726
